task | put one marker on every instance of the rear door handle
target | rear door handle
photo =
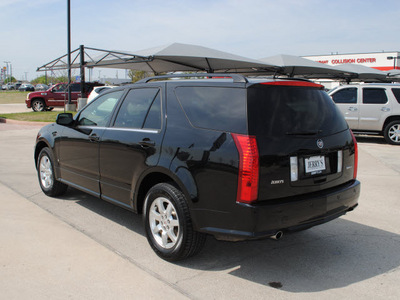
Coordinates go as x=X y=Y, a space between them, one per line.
x=146 y=142
x=352 y=108
x=385 y=109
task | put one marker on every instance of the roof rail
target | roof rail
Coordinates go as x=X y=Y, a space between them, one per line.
x=236 y=77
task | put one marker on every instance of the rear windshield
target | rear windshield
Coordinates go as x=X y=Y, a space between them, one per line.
x=216 y=108
x=283 y=110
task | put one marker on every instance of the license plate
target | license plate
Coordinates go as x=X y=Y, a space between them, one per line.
x=315 y=164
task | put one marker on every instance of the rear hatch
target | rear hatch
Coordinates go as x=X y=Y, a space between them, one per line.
x=304 y=143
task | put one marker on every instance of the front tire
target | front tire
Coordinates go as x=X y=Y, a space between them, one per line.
x=45 y=170
x=168 y=224
x=392 y=133
x=38 y=105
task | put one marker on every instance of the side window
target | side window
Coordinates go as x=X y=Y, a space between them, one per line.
x=60 y=88
x=153 y=119
x=217 y=108
x=374 y=96
x=98 y=113
x=348 y=95
x=76 y=87
x=140 y=109
x=396 y=93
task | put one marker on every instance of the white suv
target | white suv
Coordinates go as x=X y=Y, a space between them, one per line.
x=371 y=108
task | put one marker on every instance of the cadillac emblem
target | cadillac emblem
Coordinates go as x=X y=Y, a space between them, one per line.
x=320 y=144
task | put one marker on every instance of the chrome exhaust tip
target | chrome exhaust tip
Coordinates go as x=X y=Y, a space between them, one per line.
x=277 y=236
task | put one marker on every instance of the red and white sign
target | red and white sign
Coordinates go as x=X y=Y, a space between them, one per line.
x=377 y=60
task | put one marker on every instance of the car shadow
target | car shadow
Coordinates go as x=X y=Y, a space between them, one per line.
x=106 y=209
x=370 y=139
x=333 y=255
x=308 y=261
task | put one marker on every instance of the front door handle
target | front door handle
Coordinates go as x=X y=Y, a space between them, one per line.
x=352 y=108
x=94 y=137
x=146 y=142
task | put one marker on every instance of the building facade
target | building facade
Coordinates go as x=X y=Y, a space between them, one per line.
x=383 y=61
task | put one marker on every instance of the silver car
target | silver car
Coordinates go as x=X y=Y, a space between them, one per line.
x=371 y=108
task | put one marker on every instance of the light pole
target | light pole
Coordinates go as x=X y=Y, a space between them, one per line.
x=394 y=60
x=69 y=49
x=8 y=70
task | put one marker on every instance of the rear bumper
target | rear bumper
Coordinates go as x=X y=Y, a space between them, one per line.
x=265 y=219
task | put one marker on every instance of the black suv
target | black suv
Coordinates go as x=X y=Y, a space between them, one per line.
x=218 y=154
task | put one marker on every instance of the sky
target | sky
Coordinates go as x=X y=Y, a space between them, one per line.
x=34 y=32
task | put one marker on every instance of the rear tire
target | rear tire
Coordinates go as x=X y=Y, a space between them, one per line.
x=168 y=224
x=38 y=105
x=392 y=133
x=45 y=170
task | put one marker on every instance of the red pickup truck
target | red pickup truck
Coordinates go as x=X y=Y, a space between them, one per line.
x=57 y=95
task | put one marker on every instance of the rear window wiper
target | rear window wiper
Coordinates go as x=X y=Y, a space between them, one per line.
x=314 y=132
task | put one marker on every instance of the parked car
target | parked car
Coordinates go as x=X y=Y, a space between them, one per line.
x=236 y=158
x=4 y=87
x=98 y=90
x=17 y=85
x=10 y=86
x=371 y=108
x=41 y=87
x=26 y=87
x=57 y=95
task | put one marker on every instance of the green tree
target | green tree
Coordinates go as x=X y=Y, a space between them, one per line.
x=7 y=80
x=138 y=75
x=41 y=79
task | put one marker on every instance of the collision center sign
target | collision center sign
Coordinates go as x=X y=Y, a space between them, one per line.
x=378 y=60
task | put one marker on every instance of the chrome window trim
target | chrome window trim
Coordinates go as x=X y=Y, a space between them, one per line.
x=121 y=129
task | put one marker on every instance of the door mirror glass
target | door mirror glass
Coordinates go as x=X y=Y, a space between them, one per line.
x=65 y=119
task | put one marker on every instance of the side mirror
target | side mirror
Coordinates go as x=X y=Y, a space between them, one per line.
x=65 y=119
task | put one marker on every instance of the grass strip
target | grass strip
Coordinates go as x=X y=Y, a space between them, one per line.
x=9 y=97
x=44 y=116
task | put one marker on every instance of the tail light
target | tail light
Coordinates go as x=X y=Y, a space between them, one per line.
x=355 y=155
x=248 y=168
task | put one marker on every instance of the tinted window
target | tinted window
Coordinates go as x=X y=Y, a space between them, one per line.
x=345 y=96
x=396 y=93
x=374 y=96
x=214 y=107
x=153 y=119
x=137 y=106
x=76 y=87
x=59 y=88
x=98 y=113
x=278 y=111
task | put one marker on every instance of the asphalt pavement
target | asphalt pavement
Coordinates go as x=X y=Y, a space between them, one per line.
x=79 y=247
x=18 y=108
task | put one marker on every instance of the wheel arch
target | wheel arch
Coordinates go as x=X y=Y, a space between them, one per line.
x=389 y=120
x=39 y=98
x=160 y=175
x=39 y=147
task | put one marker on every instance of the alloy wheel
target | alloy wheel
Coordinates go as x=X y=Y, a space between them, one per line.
x=164 y=223
x=46 y=172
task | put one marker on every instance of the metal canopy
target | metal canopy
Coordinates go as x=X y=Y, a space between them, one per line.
x=192 y=58
x=92 y=58
x=291 y=65
x=362 y=72
x=169 y=58
x=393 y=72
